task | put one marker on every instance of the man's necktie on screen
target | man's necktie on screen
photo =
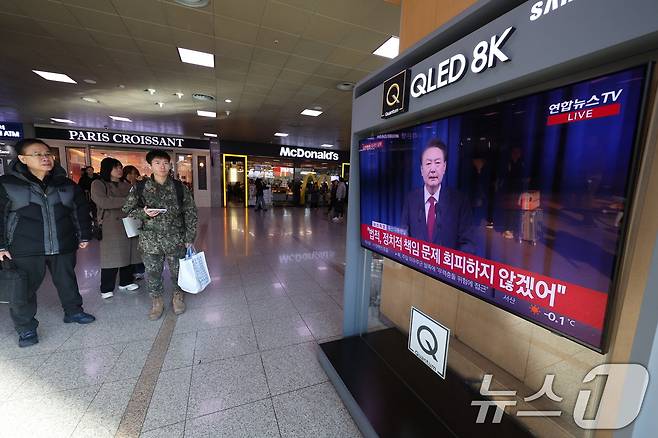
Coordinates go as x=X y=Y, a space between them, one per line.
x=431 y=218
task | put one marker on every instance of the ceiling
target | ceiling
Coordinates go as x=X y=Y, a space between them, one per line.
x=273 y=58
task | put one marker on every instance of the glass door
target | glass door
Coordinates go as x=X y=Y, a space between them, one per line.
x=235 y=180
x=184 y=170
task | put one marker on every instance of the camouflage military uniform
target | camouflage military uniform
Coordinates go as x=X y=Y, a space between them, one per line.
x=163 y=236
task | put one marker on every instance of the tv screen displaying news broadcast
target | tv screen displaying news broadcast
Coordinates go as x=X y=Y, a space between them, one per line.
x=523 y=204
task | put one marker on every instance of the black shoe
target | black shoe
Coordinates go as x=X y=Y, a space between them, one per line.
x=80 y=318
x=28 y=338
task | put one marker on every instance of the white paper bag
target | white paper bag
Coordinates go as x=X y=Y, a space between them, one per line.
x=132 y=226
x=193 y=275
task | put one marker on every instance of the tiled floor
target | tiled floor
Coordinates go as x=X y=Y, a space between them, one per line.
x=241 y=361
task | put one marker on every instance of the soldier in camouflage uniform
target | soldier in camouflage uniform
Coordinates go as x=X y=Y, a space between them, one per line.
x=164 y=235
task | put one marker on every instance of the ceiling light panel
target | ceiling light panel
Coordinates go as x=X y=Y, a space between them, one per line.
x=197 y=58
x=207 y=134
x=54 y=119
x=280 y=134
x=57 y=77
x=120 y=119
x=310 y=112
x=389 y=49
x=212 y=114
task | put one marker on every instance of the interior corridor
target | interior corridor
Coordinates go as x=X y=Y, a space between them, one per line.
x=240 y=362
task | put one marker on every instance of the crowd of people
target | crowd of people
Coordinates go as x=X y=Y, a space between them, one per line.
x=45 y=218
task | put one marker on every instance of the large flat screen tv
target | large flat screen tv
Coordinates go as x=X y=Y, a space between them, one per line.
x=523 y=204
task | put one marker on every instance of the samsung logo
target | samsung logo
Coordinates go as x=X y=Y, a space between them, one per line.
x=542 y=8
x=303 y=153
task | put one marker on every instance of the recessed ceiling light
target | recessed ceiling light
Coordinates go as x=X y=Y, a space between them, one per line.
x=90 y=99
x=193 y=3
x=54 y=119
x=150 y=91
x=228 y=100
x=389 y=49
x=310 y=112
x=345 y=86
x=160 y=104
x=280 y=134
x=179 y=95
x=197 y=58
x=57 y=77
x=120 y=119
x=326 y=145
x=208 y=134
x=212 y=114
x=90 y=81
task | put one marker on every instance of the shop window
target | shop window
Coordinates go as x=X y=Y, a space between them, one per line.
x=76 y=159
x=201 y=171
x=132 y=157
x=184 y=170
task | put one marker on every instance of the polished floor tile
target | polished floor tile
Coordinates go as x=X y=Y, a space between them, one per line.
x=291 y=368
x=250 y=420
x=225 y=384
x=169 y=402
x=316 y=411
x=281 y=332
x=240 y=362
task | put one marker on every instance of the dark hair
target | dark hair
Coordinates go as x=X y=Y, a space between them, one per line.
x=435 y=143
x=107 y=165
x=157 y=153
x=127 y=170
x=20 y=146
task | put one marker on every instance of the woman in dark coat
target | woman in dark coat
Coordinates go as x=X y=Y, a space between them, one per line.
x=118 y=252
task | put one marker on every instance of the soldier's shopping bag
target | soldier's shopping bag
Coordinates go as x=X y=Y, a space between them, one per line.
x=132 y=226
x=193 y=275
x=13 y=283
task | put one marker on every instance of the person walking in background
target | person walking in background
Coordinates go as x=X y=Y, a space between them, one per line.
x=44 y=220
x=332 y=198
x=169 y=216
x=131 y=175
x=260 y=199
x=118 y=251
x=88 y=176
x=341 y=194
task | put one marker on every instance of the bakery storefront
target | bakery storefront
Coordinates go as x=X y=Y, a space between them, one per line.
x=79 y=148
x=292 y=174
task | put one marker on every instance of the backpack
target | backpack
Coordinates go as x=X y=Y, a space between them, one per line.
x=177 y=185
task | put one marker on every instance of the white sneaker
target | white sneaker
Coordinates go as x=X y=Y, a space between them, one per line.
x=129 y=287
x=106 y=295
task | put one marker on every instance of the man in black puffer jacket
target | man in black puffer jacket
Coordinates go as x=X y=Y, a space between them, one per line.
x=44 y=219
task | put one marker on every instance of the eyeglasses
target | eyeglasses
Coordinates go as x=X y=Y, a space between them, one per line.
x=44 y=155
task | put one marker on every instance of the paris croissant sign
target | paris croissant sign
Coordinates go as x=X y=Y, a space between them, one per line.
x=121 y=138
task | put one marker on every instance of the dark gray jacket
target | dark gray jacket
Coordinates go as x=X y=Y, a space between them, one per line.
x=41 y=217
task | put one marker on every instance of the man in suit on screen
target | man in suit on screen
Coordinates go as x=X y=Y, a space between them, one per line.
x=435 y=213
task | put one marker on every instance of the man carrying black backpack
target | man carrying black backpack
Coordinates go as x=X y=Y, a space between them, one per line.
x=169 y=224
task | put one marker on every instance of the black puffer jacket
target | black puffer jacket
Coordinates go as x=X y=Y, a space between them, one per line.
x=41 y=217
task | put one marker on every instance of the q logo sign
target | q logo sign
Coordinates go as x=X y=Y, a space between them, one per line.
x=395 y=99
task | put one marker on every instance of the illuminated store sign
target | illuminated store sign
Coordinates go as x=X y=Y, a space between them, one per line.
x=485 y=55
x=308 y=153
x=121 y=138
x=11 y=130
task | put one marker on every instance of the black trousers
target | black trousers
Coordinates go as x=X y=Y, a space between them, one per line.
x=23 y=305
x=109 y=276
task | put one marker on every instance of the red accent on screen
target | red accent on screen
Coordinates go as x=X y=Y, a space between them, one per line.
x=584 y=114
x=580 y=303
